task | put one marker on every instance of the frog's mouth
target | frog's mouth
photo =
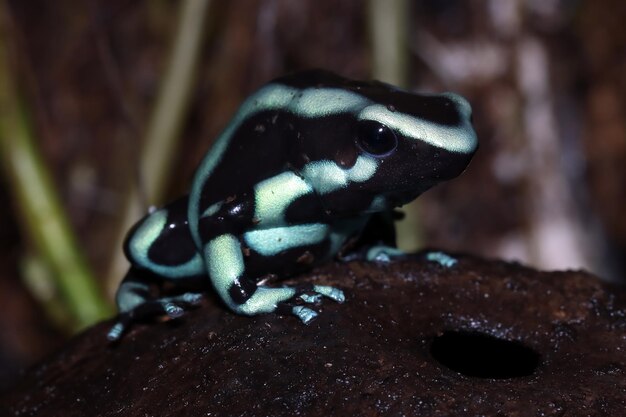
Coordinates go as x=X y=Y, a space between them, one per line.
x=402 y=197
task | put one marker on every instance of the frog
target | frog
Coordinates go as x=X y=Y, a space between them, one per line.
x=310 y=168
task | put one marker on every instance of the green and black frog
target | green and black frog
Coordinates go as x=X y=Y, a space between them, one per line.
x=310 y=162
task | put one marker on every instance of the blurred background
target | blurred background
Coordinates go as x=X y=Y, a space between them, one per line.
x=107 y=107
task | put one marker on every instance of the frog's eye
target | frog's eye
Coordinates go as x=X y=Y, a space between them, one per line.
x=375 y=138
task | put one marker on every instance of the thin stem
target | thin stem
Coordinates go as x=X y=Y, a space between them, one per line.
x=388 y=22
x=164 y=126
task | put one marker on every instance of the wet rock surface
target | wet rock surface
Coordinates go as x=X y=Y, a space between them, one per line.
x=413 y=338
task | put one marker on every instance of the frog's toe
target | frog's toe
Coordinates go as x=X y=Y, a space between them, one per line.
x=172 y=310
x=331 y=292
x=311 y=299
x=305 y=314
x=116 y=332
x=383 y=253
x=192 y=298
x=442 y=259
x=183 y=301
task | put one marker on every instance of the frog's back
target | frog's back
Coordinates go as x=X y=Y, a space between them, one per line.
x=263 y=139
x=243 y=156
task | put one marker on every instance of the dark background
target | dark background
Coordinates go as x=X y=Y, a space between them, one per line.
x=546 y=78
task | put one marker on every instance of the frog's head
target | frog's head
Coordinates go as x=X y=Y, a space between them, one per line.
x=369 y=146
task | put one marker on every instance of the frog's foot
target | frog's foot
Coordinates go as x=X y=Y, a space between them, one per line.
x=283 y=300
x=320 y=291
x=173 y=307
x=305 y=314
x=442 y=259
x=382 y=253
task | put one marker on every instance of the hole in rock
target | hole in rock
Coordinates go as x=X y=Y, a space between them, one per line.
x=483 y=356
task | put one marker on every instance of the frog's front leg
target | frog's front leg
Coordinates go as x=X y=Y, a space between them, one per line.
x=226 y=267
x=376 y=241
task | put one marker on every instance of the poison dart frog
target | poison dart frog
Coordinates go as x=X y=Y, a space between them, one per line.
x=310 y=162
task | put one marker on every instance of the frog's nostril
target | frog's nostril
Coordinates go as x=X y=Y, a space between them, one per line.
x=462 y=104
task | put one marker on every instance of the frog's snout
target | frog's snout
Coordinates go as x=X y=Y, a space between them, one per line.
x=462 y=105
x=451 y=165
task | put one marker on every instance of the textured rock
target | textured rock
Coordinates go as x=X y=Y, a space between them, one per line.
x=519 y=342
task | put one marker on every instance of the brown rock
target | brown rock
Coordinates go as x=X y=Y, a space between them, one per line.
x=412 y=338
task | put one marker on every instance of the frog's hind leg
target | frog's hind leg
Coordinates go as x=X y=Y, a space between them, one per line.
x=135 y=302
x=226 y=267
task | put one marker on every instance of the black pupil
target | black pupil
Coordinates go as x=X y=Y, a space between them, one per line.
x=375 y=138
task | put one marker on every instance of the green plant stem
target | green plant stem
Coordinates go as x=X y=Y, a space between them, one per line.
x=38 y=279
x=37 y=202
x=164 y=125
x=388 y=25
x=388 y=21
x=173 y=101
